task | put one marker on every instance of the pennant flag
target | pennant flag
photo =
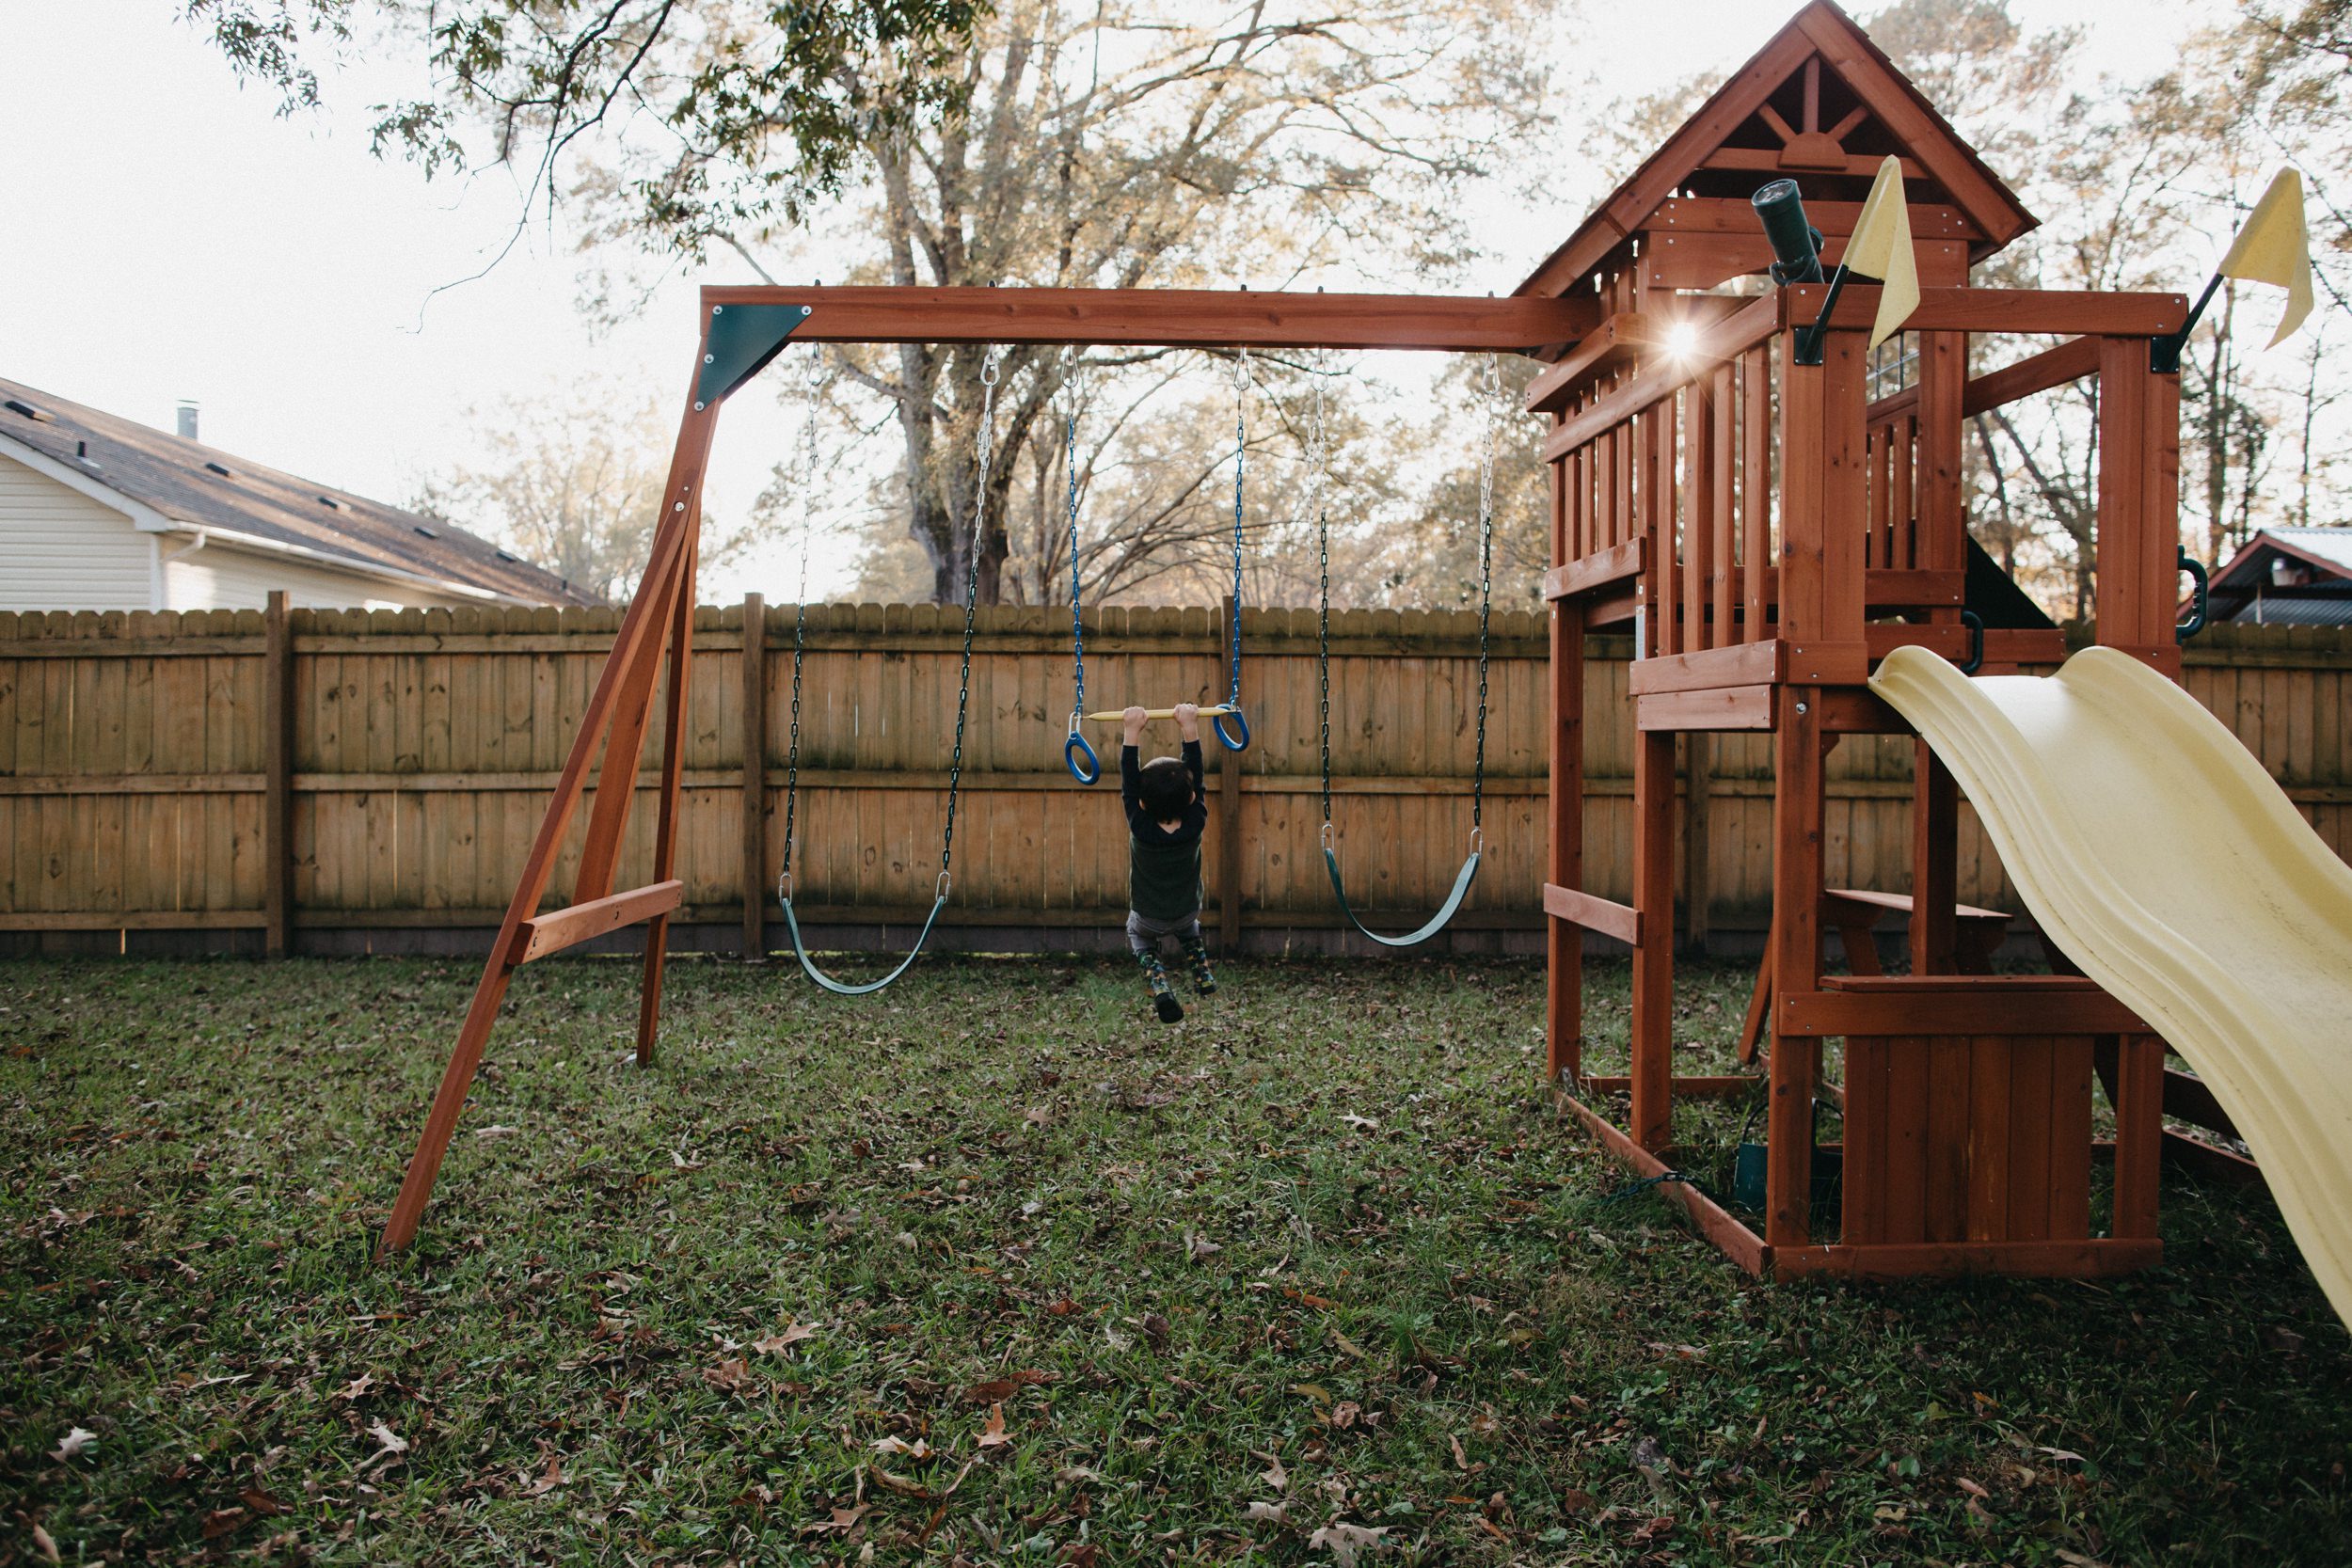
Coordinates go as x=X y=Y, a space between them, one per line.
x=2273 y=248
x=1881 y=248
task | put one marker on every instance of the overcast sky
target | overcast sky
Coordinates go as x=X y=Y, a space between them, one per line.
x=164 y=235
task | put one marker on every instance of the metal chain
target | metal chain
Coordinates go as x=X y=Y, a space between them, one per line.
x=1485 y=585
x=1318 y=460
x=1241 y=447
x=800 y=622
x=1070 y=463
x=971 y=602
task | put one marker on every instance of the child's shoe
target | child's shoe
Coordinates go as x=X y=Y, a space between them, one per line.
x=1163 y=995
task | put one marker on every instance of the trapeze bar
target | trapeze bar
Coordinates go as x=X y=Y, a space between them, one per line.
x=1115 y=715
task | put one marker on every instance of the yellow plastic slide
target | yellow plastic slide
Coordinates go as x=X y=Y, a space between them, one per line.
x=2161 y=858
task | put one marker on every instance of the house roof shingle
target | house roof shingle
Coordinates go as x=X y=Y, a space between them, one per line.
x=202 y=487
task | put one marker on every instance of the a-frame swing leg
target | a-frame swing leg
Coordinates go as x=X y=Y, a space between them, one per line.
x=616 y=705
x=665 y=832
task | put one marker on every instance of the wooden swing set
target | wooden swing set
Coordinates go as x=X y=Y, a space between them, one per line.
x=1768 y=528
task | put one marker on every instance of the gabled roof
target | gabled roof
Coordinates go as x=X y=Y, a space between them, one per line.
x=188 y=484
x=1819 y=102
x=2328 y=551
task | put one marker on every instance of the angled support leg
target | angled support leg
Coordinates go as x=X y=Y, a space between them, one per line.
x=665 y=832
x=637 y=647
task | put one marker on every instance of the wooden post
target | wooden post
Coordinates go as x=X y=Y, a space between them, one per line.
x=278 y=775
x=755 y=704
x=2138 y=1097
x=1796 y=962
x=1653 y=953
x=1564 y=942
x=1228 y=804
x=1698 y=789
x=1934 y=864
x=674 y=699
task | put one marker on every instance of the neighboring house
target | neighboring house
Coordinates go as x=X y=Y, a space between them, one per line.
x=101 y=513
x=2292 y=577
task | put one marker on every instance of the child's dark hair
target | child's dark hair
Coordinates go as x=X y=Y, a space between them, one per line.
x=1166 y=787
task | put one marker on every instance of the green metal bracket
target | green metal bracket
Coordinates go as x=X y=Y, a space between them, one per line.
x=741 y=339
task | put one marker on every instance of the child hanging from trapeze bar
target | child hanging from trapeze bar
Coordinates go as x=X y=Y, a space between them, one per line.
x=1166 y=818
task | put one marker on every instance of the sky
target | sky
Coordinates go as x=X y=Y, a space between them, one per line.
x=164 y=234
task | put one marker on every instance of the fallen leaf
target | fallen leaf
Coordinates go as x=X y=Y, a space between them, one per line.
x=995 y=1391
x=73 y=1441
x=918 y=1451
x=2077 y=1559
x=220 y=1521
x=729 y=1376
x=549 y=1479
x=1197 y=1247
x=388 y=1441
x=1345 y=1414
x=44 y=1545
x=1461 y=1460
x=260 y=1502
x=1079 y=1554
x=1346 y=1346
x=793 y=1333
x=992 y=1434
x=358 y=1386
x=1344 y=1541
x=1970 y=1488
x=1274 y=1476
x=844 y=1520
x=1267 y=1514
x=906 y=1486
x=1366 y=1123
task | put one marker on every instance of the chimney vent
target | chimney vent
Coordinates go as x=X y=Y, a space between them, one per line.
x=187 y=418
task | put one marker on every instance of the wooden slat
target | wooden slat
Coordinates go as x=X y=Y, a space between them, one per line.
x=2020 y=311
x=1743 y=329
x=1922 y=1005
x=1730 y=707
x=557 y=929
x=1613 y=342
x=2053 y=367
x=1579 y=908
x=1603 y=568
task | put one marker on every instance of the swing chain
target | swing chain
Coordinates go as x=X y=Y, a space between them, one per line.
x=800 y=620
x=1486 y=587
x=971 y=602
x=1071 y=391
x=1318 y=461
x=1240 y=447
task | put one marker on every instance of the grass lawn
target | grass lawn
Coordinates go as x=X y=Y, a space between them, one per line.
x=991 y=1270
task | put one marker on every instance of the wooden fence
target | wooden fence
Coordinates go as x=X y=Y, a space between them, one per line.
x=370 y=781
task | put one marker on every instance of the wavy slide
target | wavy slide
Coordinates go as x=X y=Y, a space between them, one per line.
x=2161 y=858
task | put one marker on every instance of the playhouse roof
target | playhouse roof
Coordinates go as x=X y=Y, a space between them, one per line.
x=1819 y=102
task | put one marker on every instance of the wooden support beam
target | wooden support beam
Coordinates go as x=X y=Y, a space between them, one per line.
x=1582 y=909
x=1603 y=568
x=1652 y=1027
x=1742 y=329
x=2136 y=1093
x=2023 y=311
x=888 y=313
x=278 y=742
x=1734 y=1085
x=558 y=930
x=1921 y=1006
x=1563 y=939
x=1699 y=791
x=1795 y=957
x=753 y=701
x=1723 y=708
x=1613 y=342
x=2053 y=367
x=1717 y=1224
x=673 y=763
x=2091 y=1258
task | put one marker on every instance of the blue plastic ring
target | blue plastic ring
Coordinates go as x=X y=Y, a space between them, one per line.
x=1075 y=747
x=1239 y=722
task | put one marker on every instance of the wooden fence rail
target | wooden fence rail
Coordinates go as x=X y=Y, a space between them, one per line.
x=369 y=781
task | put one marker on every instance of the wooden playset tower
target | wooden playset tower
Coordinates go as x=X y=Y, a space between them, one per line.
x=1768 y=529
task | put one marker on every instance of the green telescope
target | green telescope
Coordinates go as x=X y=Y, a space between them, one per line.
x=1796 y=244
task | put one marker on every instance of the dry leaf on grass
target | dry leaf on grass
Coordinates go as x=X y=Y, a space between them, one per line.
x=992 y=1434
x=44 y=1545
x=1346 y=1542
x=776 y=1344
x=1267 y=1514
x=916 y=1451
x=73 y=1441
x=1274 y=1476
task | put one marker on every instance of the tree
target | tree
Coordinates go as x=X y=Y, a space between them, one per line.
x=571 y=482
x=766 y=104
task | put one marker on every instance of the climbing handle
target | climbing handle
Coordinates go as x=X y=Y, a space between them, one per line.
x=1217 y=721
x=1112 y=716
x=2199 y=610
x=1079 y=757
x=1975 y=622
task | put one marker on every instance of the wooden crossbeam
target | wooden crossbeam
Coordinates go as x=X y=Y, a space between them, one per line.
x=1579 y=908
x=1240 y=318
x=569 y=926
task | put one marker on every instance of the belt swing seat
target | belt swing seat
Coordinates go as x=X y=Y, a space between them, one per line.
x=1317 y=472
x=989 y=373
x=1225 y=719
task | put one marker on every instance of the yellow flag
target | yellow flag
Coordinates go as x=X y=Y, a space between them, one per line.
x=1881 y=248
x=2272 y=248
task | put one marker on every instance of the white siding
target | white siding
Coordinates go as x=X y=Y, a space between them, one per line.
x=222 y=576
x=61 y=550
